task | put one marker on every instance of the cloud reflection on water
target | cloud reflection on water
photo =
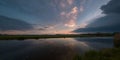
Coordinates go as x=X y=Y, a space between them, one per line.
x=55 y=49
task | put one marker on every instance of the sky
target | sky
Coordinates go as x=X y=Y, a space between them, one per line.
x=58 y=16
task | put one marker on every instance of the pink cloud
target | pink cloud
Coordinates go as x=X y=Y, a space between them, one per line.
x=62 y=4
x=71 y=23
x=72 y=16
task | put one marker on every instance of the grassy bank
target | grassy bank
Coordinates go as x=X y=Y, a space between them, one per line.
x=22 y=37
x=105 y=54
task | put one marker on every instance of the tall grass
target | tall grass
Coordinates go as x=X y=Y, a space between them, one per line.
x=105 y=54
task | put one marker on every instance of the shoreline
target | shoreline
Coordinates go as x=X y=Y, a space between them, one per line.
x=23 y=37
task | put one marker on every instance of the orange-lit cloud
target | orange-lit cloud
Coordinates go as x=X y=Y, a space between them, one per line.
x=63 y=32
x=74 y=10
x=72 y=16
x=71 y=23
x=69 y=17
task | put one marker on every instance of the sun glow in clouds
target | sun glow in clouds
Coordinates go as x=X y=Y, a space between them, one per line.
x=72 y=16
x=71 y=23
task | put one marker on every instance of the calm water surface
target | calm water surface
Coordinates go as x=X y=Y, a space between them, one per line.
x=46 y=49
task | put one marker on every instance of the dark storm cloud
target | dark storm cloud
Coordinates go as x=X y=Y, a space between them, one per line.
x=108 y=23
x=7 y=23
x=115 y=28
x=112 y=7
x=108 y=20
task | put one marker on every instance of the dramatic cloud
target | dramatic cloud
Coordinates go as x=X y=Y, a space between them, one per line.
x=7 y=23
x=41 y=10
x=108 y=23
x=48 y=15
x=70 y=11
x=72 y=17
x=112 y=7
